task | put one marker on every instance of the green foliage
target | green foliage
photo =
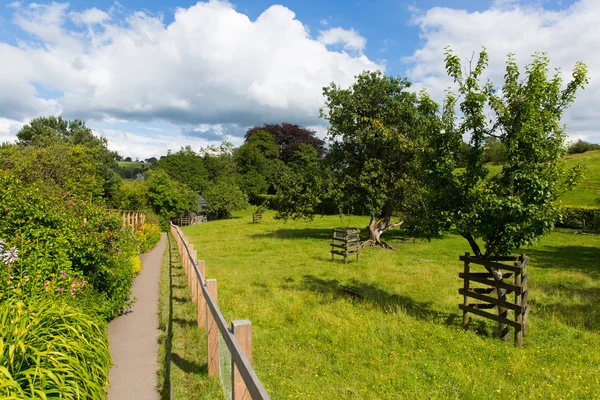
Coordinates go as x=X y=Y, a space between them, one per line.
x=57 y=166
x=516 y=206
x=186 y=167
x=55 y=233
x=43 y=131
x=581 y=146
x=225 y=197
x=495 y=151
x=583 y=218
x=49 y=349
x=132 y=195
x=132 y=169
x=288 y=137
x=376 y=127
x=147 y=237
x=137 y=264
x=169 y=198
x=303 y=185
x=219 y=161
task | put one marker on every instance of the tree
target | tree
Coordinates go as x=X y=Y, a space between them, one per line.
x=376 y=130
x=187 y=167
x=225 y=197
x=258 y=164
x=288 y=137
x=43 y=131
x=516 y=206
x=169 y=198
x=303 y=185
x=219 y=161
x=128 y=159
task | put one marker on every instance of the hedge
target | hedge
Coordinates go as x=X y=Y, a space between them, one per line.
x=583 y=218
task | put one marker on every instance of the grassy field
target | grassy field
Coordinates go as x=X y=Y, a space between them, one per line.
x=388 y=326
x=128 y=169
x=182 y=351
x=587 y=190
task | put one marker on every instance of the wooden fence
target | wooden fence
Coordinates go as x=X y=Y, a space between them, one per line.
x=187 y=220
x=238 y=338
x=494 y=294
x=132 y=219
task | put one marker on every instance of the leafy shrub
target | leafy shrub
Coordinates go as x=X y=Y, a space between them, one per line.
x=582 y=218
x=137 y=264
x=56 y=233
x=73 y=365
x=147 y=237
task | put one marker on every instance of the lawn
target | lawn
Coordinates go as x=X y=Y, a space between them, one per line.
x=388 y=326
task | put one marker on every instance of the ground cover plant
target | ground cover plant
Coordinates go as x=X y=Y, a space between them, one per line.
x=182 y=358
x=388 y=326
x=50 y=349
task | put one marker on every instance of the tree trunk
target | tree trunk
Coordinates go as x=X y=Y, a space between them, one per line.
x=377 y=226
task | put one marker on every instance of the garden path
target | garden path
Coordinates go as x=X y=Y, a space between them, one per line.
x=133 y=336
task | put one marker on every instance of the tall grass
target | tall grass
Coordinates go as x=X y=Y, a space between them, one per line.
x=49 y=349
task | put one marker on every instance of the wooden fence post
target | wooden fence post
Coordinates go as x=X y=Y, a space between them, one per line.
x=518 y=314
x=201 y=299
x=242 y=330
x=466 y=288
x=193 y=274
x=192 y=277
x=212 y=333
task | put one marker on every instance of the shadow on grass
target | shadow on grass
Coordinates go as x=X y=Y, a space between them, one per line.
x=187 y=366
x=306 y=233
x=580 y=301
x=385 y=301
x=580 y=258
x=185 y=322
x=327 y=233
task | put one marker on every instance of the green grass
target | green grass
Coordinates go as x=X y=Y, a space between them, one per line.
x=388 y=326
x=182 y=346
x=586 y=191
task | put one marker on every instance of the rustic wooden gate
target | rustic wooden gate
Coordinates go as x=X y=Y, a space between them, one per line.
x=493 y=294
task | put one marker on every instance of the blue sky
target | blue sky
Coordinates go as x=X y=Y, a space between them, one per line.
x=153 y=75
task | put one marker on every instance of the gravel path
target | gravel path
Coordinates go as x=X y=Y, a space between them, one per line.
x=133 y=336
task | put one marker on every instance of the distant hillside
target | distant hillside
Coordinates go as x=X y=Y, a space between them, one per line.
x=584 y=194
x=129 y=169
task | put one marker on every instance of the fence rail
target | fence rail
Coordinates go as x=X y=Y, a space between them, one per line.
x=245 y=382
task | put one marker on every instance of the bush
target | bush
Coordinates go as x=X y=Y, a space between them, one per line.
x=137 y=264
x=55 y=233
x=583 y=218
x=147 y=237
x=74 y=364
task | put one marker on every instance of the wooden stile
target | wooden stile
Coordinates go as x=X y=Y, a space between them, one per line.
x=495 y=295
x=242 y=330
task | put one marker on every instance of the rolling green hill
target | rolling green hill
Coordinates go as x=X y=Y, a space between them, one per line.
x=585 y=192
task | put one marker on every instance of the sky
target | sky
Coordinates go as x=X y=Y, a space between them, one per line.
x=157 y=75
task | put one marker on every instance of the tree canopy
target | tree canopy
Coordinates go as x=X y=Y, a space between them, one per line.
x=289 y=137
x=376 y=129
x=187 y=167
x=44 y=131
x=516 y=206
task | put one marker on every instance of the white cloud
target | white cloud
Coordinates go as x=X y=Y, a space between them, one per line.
x=324 y=22
x=211 y=65
x=349 y=38
x=89 y=17
x=567 y=35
